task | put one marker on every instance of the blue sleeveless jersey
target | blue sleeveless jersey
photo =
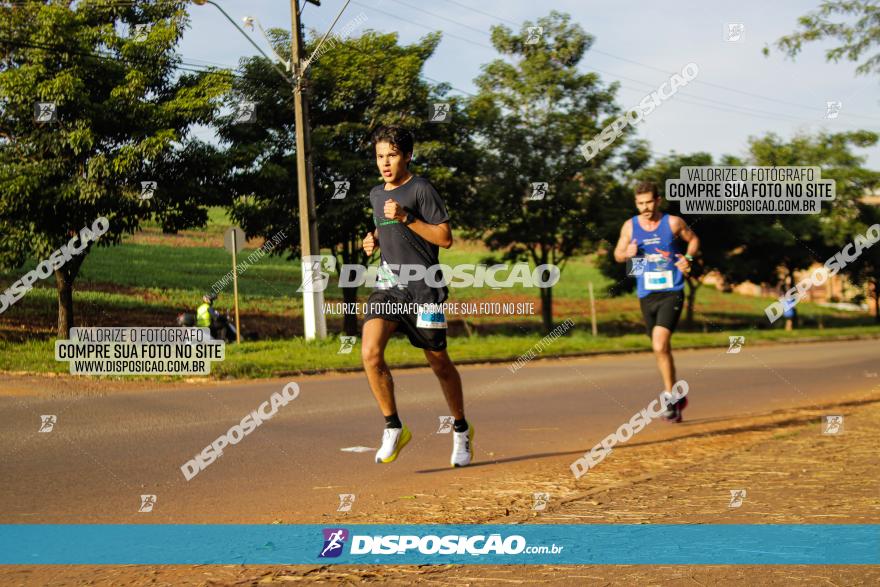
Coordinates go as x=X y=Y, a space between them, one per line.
x=659 y=248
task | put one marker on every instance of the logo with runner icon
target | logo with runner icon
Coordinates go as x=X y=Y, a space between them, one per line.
x=47 y=422
x=147 y=503
x=340 y=189
x=539 y=190
x=346 y=500
x=832 y=424
x=737 y=496
x=534 y=35
x=346 y=344
x=541 y=500
x=439 y=112
x=446 y=423
x=334 y=540
x=736 y=344
x=637 y=266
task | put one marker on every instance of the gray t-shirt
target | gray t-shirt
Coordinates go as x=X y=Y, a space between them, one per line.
x=399 y=245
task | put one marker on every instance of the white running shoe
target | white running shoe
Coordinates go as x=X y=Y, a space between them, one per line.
x=462 y=447
x=393 y=441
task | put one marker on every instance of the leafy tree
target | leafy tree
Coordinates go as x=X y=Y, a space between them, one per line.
x=857 y=36
x=533 y=111
x=355 y=87
x=866 y=268
x=795 y=242
x=123 y=114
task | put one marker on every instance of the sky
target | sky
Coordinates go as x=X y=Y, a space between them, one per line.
x=738 y=93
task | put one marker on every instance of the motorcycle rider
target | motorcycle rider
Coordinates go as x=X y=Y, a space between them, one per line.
x=207 y=316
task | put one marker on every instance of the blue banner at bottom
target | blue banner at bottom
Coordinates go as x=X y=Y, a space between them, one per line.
x=571 y=544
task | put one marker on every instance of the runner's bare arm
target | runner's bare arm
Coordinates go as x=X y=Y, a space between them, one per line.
x=436 y=234
x=626 y=245
x=684 y=232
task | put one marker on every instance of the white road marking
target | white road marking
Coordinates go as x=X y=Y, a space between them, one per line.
x=357 y=449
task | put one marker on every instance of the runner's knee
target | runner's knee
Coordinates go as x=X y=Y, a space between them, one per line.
x=445 y=370
x=372 y=355
x=660 y=345
x=441 y=364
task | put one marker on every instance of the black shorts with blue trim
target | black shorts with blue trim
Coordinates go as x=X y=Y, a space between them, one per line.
x=425 y=330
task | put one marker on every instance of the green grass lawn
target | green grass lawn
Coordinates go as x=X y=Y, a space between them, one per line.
x=161 y=280
x=188 y=269
x=151 y=277
x=296 y=356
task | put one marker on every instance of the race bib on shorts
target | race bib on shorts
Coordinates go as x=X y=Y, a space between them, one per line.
x=430 y=318
x=655 y=280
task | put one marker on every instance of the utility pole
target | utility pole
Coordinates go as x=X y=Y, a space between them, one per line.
x=313 y=301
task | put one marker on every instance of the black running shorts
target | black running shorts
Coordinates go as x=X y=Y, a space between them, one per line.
x=424 y=330
x=662 y=309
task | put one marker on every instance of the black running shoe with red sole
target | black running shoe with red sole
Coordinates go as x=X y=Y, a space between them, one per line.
x=680 y=405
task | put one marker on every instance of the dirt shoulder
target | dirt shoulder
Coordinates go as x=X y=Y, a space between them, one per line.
x=791 y=473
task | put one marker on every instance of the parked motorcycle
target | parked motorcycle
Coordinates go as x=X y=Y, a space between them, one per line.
x=222 y=327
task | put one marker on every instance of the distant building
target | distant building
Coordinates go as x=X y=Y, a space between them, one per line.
x=836 y=289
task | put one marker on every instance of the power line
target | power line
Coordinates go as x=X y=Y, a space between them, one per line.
x=729 y=89
x=755 y=112
x=185 y=64
x=182 y=65
x=654 y=68
x=471 y=8
x=454 y=36
x=109 y=4
x=436 y=81
x=459 y=23
x=730 y=107
x=305 y=66
x=593 y=50
x=724 y=106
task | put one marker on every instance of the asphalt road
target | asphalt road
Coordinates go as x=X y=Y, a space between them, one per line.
x=106 y=451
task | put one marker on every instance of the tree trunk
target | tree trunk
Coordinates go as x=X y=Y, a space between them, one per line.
x=65 y=302
x=64 y=278
x=349 y=320
x=547 y=308
x=877 y=301
x=541 y=257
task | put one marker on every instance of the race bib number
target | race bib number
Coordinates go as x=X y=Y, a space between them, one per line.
x=655 y=280
x=430 y=318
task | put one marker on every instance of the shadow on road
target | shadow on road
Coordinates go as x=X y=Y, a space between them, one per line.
x=778 y=424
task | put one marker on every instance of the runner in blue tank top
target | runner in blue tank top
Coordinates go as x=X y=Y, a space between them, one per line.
x=651 y=243
x=660 y=250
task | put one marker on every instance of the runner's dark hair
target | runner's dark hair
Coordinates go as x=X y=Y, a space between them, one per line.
x=399 y=137
x=647 y=187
